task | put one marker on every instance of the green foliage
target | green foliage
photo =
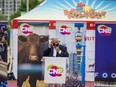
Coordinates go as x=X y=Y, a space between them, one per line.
x=15 y=15
x=23 y=5
x=2 y=18
x=32 y=4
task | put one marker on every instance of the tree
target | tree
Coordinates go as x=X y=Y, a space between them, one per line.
x=16 y=14
x=2 y=18
x=32 y=4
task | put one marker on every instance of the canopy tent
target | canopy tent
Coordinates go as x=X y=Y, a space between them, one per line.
x=72 y=10
x=51 y=11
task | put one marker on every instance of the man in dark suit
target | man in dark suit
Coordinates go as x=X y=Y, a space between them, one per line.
x=54 y=49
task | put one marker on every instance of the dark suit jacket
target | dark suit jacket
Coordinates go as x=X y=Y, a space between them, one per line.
x=49 y=52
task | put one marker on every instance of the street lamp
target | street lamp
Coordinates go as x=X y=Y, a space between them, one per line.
x=27 y=5
x=0 y=10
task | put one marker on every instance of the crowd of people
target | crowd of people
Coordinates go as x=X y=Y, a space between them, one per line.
x=3 y=44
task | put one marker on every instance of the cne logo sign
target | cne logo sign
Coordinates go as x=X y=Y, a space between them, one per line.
x=104 y=30
x=26 y=28
x=55 y=71
x=65 y=30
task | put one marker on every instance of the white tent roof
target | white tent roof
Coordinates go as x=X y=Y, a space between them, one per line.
x=54 y=10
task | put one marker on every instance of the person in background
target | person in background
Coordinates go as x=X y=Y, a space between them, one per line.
x=1 y=35
x=55 y=49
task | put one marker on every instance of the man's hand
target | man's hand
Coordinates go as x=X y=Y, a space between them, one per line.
x=57 y=49
x=50 y=44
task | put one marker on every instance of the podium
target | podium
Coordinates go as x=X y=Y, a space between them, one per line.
x=54 y=69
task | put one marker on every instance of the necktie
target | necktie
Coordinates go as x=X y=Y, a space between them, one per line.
x=57 y=54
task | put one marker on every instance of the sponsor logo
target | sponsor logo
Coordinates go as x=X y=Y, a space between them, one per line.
x=104 y=30
x=65 y=30
x=84 y=11
x=26 y=28
x=55 y=71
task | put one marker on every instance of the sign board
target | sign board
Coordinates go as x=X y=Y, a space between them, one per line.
x=105 y=57
x=55 y=70
x=90 y=55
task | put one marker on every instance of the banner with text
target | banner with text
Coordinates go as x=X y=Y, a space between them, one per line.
x=105 y=57
x=90 y=55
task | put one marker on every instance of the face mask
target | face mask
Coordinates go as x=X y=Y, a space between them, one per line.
x=55 y=45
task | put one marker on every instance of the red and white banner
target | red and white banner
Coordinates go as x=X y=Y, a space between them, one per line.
x=90 y=55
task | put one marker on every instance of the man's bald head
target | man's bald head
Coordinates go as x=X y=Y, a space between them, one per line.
x=55 y=40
